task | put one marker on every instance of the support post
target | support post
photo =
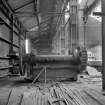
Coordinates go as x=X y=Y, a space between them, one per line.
x=103 y=45
x=85 y=22
x=20 y=55
x=11 y=40
x=11 y=35
x=45 y=75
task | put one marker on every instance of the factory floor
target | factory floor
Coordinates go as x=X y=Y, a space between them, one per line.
x=86 y=91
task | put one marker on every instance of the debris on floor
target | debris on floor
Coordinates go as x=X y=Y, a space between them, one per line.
x=93 y=72
x=53 y=94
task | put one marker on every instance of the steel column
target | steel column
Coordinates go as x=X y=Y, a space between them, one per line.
x=8 y=42
x=22 y=6
x=11 y=35
x=103 y=46
x=70 y=26
x=11 y=40
x=5 y=23
x=20 y=54
x=7 y=11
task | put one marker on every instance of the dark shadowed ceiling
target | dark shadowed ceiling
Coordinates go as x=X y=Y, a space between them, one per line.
x=33 y=13
x=37 y=16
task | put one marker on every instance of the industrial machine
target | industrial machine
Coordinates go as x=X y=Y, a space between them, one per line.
x=54 y=67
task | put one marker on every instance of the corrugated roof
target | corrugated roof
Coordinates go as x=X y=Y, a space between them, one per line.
x=32 y=15
x=35 y=15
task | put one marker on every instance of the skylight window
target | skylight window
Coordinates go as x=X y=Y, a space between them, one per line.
x=97 y=9
x=79 y=1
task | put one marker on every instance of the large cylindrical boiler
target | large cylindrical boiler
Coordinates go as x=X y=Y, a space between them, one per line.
x=58 y=66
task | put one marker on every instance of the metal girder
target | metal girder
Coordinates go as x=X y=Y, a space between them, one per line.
x=4 y=58
x=5 y=23
x=11 y=34
x=50 y=26
x=43 y=22
x=40 y=31
x=50 y=13
x=1 y=22
x=4 y=68
x=59 y=18
x=67 y=22
x=35 y=41
x=29 y=13
x=35 y=8
x=22 y=6
x=44 y=27
x=8 y=42
x=103 y=46
x=8 y=13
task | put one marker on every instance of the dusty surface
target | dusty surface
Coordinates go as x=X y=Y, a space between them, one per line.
x=86 y=91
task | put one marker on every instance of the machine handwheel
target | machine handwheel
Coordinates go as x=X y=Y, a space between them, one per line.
x=80 y=54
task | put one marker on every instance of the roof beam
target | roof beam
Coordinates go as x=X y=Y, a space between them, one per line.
x=10 y=11
x=35 y=8
x=50 y=12
x=6 y=10
x=41 y=23
x=22 y=6
x=60 y=16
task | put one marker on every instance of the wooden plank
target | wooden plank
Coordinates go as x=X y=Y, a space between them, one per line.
x=62 y=95
x=45 y=100
x=59 y=98
x=4 y=94
x=52 y=96
x=16 y=95
x=35 y=96
x=50 y=100
x=76 y=93
x=96 y=96
x=39 y=98
x=52 y=92
x=69 y=97
x=42 y=99
x=77 y=99
x=28 y=97
x=88 y=99
x=56 y=94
